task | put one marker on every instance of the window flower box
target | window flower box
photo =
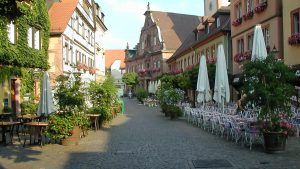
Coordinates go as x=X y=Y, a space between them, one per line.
x=261 y=7
x=177 y=71
x=294 y=39
x=237 y=22
x=248 y=15
x=92 y=70
x=240 y=57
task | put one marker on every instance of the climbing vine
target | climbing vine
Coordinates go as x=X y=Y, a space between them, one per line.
x=33 y=13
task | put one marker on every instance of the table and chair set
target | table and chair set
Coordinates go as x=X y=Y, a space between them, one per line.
x=241 y=127
x=30 y=128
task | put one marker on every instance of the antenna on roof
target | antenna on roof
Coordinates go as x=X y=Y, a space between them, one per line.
x=148 y=6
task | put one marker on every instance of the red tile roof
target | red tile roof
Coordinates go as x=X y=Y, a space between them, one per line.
x=112 y=55
x=60 y=13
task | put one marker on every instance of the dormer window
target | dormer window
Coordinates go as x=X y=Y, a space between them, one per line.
x=196 y=34
x=218 y=22
x=206 y=29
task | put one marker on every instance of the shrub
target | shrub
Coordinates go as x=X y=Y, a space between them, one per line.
x=28 y=107
x=141 y=94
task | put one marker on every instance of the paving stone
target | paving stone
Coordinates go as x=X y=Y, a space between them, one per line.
x=144 y=139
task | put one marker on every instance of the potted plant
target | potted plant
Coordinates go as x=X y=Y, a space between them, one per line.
x=168 y=97
x=66 y=125
x=266 y=88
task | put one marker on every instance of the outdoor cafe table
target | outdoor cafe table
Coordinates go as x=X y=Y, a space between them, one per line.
x=4 y=125
x=36 y=128
x=94 y=119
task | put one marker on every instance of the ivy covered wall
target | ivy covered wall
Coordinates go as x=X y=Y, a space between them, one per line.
x=34 y=13
x=19 y=59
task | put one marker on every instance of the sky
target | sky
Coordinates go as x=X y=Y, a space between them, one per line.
x=125 y=18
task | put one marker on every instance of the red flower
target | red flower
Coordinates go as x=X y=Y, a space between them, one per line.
x=294 y=39
x=261 y=7
x=240 y=57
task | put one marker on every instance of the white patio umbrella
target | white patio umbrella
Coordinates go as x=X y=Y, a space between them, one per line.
x=71 y=80
x=152 y=89
x=46 y=105
x=259 y=50
x=203 y=88
x=221 y=90
x=155 y=86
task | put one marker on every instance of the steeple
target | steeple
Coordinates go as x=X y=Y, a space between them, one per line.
x=148 y=6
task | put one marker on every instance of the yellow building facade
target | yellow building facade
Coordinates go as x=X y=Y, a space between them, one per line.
x=291 y=46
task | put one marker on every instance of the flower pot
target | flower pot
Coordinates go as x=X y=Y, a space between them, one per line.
x=73 y=139
x=274 y=141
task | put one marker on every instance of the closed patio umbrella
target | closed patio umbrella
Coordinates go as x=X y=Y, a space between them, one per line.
x=46 y=105
x=221 y=90
x=259 y=50
x=203 y=88
x=71 y=80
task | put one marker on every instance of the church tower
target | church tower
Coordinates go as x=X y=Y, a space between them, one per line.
x=211 y=6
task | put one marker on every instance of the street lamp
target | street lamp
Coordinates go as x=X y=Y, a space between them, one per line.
x=275 y=52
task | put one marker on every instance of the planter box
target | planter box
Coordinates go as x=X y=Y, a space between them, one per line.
x=274 y=141
x=73 y=139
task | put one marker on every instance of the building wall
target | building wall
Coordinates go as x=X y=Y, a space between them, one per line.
x=291 y=52
x=192 y=57
x=270 y=18
x=55 y=58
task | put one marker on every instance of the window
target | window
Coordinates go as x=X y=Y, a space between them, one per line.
x=213 y=53
x=238 y=10
x=11 y=31
x=250 y=5
x=218 y=22
x=65 y=51
x=240 y=46
x=36 y=39
x=29 y=37
x=295 y=22
x=154 y=40
x=83 y=58
x=250 y=42
x=83 y=31
x=261 y=1
x=207 y=53
x=206 y=29
x=33 y=38
x=148 y=41
x=188 y=62
x=70 y=55
x=77 y=53
x=266 y=32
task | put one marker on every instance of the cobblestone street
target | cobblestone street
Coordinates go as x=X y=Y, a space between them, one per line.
x=145 y=139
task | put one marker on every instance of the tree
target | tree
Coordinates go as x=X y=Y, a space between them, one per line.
x=130 y=79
